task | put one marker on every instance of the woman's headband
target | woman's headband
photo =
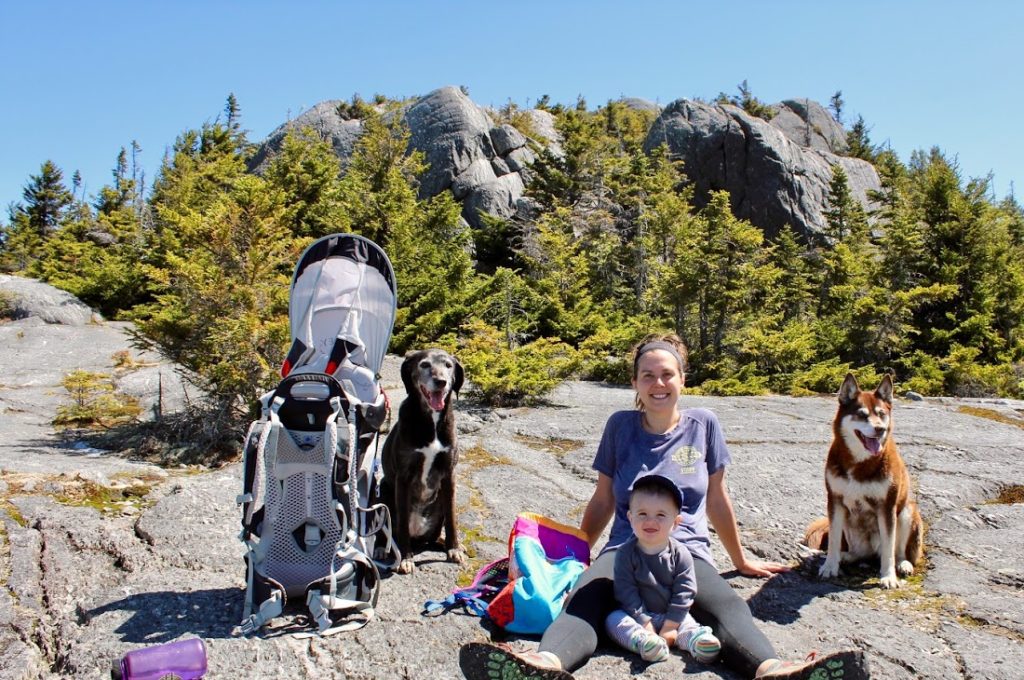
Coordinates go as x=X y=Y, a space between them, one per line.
x=657 y=344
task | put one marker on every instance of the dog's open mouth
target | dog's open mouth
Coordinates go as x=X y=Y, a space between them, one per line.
x=435 y=398
x=872 y=444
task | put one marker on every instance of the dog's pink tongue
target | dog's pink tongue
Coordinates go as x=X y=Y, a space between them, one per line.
x=871 y=444
x=436 y=400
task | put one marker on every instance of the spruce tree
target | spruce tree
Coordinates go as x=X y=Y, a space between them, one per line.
x=306 y=170
x=33 y=222
x=46 y=199
x=859 y=143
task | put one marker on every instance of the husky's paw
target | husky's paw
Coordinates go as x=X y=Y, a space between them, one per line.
x=406 y=566
x=829 y=570
x=889 y=581
x=457 y=555
x=905 y=568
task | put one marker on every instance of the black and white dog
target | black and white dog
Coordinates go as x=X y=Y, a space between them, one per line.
x=420 y=455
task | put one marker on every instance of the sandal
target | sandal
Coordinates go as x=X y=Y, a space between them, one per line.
x=485 y=661
x=845 y=665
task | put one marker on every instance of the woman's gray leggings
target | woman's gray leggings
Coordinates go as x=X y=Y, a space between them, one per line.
x=574 y=635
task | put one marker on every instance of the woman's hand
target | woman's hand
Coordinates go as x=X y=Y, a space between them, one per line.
x=761 y=568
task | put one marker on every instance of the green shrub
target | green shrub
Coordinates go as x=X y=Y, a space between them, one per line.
x=519 y=119
x=744 y=382
x=967 y=378
x=924 y=374
x=605 y=354
x=511 y=377
x=825 y=377
x=94 y=402
x=7 y=305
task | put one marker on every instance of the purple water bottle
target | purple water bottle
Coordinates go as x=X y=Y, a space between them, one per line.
x=183 y=659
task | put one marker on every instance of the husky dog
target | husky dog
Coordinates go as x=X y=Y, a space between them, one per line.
x=419 y=457
x=871 y=510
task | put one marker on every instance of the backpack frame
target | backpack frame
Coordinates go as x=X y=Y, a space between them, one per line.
x=312 y=520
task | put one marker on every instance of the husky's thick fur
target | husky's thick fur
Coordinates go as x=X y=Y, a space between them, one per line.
x=871 y=510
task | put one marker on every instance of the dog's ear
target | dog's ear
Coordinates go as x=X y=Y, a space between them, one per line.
x=849 y=390
x=408 y=366
x=884 y=389
x=459 y=376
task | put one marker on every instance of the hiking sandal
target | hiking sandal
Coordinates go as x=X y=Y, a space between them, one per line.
x=845 y=665
x=485 y=661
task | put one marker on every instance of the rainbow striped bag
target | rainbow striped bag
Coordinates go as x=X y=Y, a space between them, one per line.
x=524 y=592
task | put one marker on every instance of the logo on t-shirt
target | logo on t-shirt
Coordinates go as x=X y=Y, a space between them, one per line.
x=686 y=456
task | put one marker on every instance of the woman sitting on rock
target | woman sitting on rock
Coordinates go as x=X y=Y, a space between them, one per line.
x=689 y=448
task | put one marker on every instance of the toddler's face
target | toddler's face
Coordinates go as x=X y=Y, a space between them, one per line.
x=652 y=518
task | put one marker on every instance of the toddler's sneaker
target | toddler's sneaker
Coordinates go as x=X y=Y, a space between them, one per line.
x=650 y=646
x=703 y=645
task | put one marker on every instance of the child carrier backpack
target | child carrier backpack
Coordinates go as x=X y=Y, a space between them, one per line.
x=312 y=520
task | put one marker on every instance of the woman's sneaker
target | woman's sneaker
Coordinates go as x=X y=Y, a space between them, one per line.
x=650 y=646
x=845 y=665
x=703 y=645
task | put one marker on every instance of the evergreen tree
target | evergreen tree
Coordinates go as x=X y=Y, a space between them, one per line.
x=748 y=102
x=845 y=215
x=307 y=171
x=836 y=105
x=46 y=199
x=378 y=191
x=97 y=257
x=222 y=309
x=717 y=269
x=434 y=271
x=201 y=166
x=33 y=222
x=966 y=247
x=859 y=143
x=844 y=270
x=557 y=270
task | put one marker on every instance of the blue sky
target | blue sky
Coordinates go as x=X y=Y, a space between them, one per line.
x=82 y=79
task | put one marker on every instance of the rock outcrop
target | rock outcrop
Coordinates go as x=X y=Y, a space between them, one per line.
x=325 y=120
x=772 y=179
x=809 y=124
x=31 y=299
x=777 y=172
x=484 y=164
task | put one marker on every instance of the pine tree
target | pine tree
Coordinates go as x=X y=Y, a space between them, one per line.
x=715 y=271
x=845 y=215
x=307 y=171
x=98 y=256
x=859 y=143
x=836 y=105
x=33 y=222
x=378 y=191
x=222 y=309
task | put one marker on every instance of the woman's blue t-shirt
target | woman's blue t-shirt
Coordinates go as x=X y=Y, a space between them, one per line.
x=687 y=455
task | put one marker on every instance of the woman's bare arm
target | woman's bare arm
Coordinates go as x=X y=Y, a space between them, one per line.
x=599 y=510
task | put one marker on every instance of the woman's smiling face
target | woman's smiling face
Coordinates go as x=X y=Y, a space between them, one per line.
x=658 y=381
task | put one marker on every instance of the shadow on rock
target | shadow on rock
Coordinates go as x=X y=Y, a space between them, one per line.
x=781 y=597
x=165 y=615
